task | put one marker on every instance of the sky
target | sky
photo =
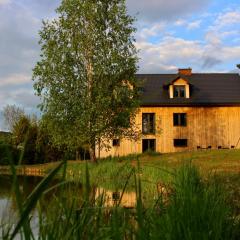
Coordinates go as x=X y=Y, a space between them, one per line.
x=201 y=34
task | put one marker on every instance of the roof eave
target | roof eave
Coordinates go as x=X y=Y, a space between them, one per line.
x=189 y=104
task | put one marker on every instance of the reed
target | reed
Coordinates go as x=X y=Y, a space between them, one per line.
x=188 y=208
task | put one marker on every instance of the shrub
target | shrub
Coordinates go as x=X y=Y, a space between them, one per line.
x=7 y=153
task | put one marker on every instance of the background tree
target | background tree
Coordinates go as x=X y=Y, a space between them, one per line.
x=12 y=114
x=86 y=75
x=30 y=136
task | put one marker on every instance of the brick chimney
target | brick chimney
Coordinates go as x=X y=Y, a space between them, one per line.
x=185 y=71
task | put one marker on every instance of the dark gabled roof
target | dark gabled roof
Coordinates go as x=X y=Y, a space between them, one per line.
x=205 y=89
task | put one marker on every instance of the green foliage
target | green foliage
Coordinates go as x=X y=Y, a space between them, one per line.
x=7 y=152
x=31 y=140
x=195 y=209
x=86 y=75
x=46 y=151
x=5 y=137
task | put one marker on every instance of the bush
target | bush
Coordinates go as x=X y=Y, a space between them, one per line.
x=7 y=153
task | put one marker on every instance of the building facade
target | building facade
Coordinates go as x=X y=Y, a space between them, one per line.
x=184 y=111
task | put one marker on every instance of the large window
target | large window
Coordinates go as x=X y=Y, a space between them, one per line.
x=179 y=119
x=180 y=142
x=148 y=145
x=179 y=91
x=148 y=123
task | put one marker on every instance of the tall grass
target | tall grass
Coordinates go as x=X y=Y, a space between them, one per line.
x=189 y=208
x=196 y=210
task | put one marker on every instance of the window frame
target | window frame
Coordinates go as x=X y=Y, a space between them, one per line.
x=152 y=128
x=178 y=91
x=149 y=144
x=180 y=119
x=180 y=145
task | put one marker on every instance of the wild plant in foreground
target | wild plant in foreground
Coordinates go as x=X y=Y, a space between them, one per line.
x=194 y=210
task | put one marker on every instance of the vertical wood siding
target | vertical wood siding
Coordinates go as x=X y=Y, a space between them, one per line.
x=206 y=126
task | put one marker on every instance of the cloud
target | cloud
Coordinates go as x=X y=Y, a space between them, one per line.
x=2 y=123
x=213 y=38
x=180 y=22
x=227 y=18
x=23 y=97
x=41 y=9
x=210 y=62
x=194 y=25
x=221 y=42
x=223 y=27
x=154 y=10
x=15 y=79
x=171 y=53
x=19 y=41
x=168 y=54
x=4 y=2
x=26 y=98
x=187 y=24
x=151 y=31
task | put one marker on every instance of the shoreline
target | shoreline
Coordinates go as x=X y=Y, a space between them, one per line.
x=23 y=171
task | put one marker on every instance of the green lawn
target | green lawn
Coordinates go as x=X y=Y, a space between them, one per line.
x=208 y=161
x=114 y=173
x=157 y=168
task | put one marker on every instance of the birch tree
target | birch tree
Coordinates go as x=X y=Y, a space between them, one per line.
x=86 y=73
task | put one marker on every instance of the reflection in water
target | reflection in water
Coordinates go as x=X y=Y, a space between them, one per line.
x=8 y=205
x=6 y=211
x=112 y=198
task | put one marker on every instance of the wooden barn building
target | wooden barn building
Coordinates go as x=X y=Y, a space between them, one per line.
x=185 y=111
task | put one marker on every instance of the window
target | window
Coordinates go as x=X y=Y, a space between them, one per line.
x=179 y=91
x=148 y=145
x=180 y=142
x=140 y=90
x=179 y=119
x=115 y=196
x=116 y=142
x=148 y=123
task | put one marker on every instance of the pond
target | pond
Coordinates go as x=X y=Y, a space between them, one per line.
x=8 y=204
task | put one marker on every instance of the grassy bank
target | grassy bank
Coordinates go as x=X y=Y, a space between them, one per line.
x=206 y=160
x=155 y=169
x=194 y=209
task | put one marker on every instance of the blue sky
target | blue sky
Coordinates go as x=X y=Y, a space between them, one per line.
x=202 y=34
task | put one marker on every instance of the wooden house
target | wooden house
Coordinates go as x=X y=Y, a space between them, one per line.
x=185 y=111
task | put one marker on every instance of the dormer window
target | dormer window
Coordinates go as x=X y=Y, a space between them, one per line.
x=179 y=91
x=179 y=87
